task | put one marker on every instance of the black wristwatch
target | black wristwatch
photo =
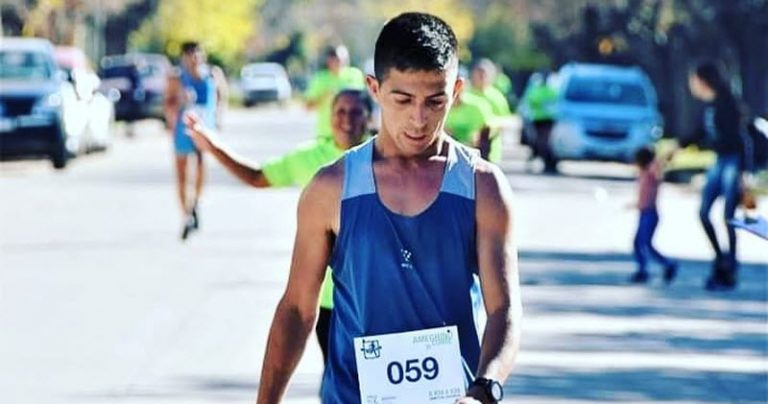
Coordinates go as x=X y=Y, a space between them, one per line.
x=492 y=388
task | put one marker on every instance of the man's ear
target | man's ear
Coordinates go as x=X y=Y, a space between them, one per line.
x=458 y=86
x=373 y=86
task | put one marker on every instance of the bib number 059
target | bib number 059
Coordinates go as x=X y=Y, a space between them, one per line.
x=413 y=370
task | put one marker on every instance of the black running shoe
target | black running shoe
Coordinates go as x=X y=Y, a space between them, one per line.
x=723 y=276
x=195 y=218
x=639 y=277
x=189 y=227
x=719 y=284
x=670 y=273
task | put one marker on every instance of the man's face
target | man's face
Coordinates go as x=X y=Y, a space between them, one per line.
x=414 y=105
x=349 y=121
x=333 y=63
x=193 y=58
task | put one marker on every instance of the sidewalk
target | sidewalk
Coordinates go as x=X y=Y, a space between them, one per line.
x=587 y=338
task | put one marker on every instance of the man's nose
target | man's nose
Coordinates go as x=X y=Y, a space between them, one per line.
x=419 y=116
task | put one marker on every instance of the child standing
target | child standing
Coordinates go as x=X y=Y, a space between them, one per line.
x=648 y=181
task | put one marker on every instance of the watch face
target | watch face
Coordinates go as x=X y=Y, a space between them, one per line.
x=496 y=391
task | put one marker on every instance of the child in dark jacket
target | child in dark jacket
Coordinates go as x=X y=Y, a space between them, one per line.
x=648 y=181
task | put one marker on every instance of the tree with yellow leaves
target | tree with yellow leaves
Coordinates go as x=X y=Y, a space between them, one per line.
x=222 y=27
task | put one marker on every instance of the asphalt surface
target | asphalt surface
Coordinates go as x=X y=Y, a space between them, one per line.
x=101 y=303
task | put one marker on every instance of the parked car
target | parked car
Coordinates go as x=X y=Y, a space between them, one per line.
x=264 y=82
x=140 y=79
x=33 y=96
x=604 y=113
x=91 y=121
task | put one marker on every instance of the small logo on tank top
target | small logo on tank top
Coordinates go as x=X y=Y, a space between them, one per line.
x=406 y=259
x=371 y=349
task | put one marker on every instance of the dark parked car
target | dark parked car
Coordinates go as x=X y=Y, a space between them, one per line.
x=33 y=96
x=141 y=79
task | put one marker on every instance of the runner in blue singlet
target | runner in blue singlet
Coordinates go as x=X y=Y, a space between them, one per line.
x=200 y=88
x=406 y=221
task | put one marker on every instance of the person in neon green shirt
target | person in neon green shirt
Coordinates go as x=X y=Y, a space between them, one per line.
x=503 y=83
x=539 y=110
x=481 y=79
x=337 y=76
x=468 y=121
x=351 y=113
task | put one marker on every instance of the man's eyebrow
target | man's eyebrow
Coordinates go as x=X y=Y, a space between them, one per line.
x=401 y=92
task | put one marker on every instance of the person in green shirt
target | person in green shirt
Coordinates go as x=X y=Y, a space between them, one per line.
x=324 y=84
x=351 y=112
x=538 y=108
x=503 y=83
x=469 y=121
x=481 y=79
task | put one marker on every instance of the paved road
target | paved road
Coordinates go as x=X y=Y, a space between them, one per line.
x=100 y=302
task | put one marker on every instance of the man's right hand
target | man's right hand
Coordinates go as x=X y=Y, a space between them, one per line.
x=200 y=134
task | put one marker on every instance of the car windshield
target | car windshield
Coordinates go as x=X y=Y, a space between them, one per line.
x=120 y=71
x=25 y=65
x=596 y=90
x=256 y=72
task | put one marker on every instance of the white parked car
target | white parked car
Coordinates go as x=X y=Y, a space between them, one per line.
x=90 y=119
x=264 y=82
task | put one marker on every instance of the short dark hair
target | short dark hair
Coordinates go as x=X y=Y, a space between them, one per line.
x=711 y=73
x=414 y=41
x=190 y=47
x=362 y=95
x=644 y=156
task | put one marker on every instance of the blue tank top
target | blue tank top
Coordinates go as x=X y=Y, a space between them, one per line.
x=395 y=273
x=204 y=93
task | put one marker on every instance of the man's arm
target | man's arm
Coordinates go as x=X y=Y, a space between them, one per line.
x=207 y=141
x=296 y=313
x=499 y=279
x=172 y=102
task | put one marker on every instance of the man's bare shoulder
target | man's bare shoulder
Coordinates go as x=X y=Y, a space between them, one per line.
x=320 y=201
x=493 y=190
x=327 y=183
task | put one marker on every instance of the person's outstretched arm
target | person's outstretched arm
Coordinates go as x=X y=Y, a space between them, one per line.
x=207 y=141
x=499 y=279
x=297 y=311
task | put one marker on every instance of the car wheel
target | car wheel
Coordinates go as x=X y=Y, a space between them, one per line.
x=59 y=153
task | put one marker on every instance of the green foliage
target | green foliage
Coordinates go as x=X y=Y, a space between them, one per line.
x=504 y=38
x=222 y=27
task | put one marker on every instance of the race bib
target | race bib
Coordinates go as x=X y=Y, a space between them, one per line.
x=410 y=367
